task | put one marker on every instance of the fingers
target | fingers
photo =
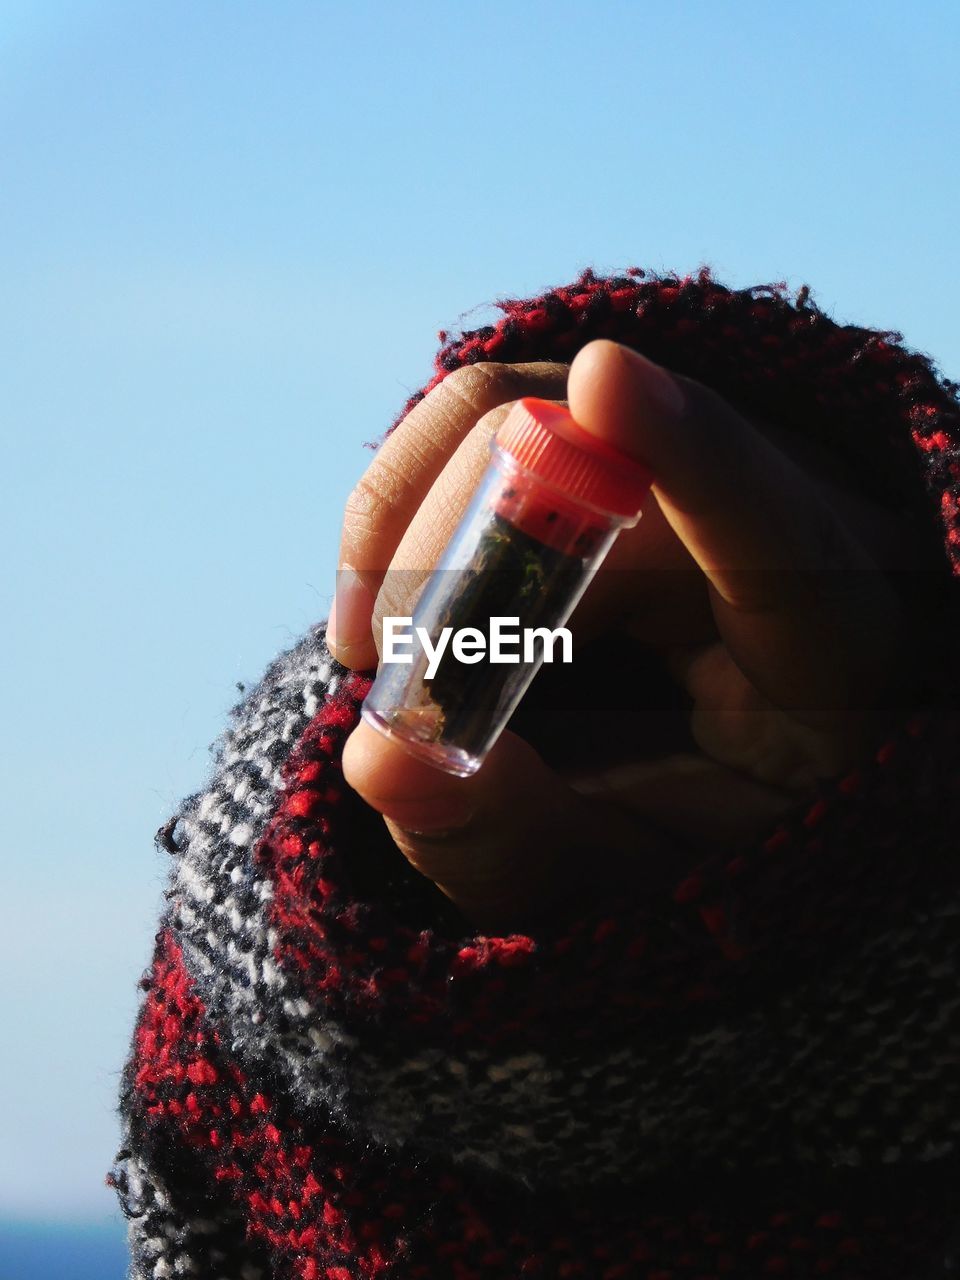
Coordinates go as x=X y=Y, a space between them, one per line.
x=802 y=629
x=435 y=520
x=802 y=608
x=390 y=492
x=504 y=843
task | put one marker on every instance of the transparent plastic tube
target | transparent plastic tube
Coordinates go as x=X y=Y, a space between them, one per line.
x=493 y=610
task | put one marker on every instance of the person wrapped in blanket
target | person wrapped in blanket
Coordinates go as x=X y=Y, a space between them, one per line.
x=668 y=990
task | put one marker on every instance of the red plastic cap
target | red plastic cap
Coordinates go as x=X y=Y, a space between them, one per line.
x=545 y=440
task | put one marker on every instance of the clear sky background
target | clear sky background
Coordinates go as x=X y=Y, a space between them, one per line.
x=229 y=232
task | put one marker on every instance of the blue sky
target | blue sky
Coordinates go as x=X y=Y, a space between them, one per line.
x=228 y=235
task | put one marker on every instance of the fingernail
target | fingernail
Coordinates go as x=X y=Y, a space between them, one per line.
x=659 y=383
x=442 y=833
x=351 y=612
x=332 y=625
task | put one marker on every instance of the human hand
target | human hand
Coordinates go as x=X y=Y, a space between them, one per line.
x=754 y=578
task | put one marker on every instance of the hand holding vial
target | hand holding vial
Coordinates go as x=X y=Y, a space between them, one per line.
x=755 y=579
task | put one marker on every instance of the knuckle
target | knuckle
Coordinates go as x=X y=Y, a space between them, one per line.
x=470 y=392
x=399 y=593
x=396 y=598
x=489 y=423
x=367 y=505
x=482 y=386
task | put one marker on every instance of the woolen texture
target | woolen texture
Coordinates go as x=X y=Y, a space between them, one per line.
x=753 y=1074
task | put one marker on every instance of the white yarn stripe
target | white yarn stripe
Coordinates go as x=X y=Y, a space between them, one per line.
x=164 y=1244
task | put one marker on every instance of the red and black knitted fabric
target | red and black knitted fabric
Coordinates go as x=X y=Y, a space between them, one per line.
x=754 y=1074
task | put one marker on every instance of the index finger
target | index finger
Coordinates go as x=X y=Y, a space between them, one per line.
x=388 y=495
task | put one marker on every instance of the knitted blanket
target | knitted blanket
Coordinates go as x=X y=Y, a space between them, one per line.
x=754 y=1073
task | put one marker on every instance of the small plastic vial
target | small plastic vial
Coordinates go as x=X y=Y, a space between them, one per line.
x=547 y=510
